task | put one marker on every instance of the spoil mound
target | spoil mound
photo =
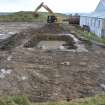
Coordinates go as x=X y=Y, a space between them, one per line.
x=52 y=28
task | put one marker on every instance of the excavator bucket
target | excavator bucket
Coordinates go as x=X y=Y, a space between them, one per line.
x=35 y=14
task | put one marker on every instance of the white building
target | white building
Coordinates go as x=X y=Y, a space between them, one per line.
x=95 y=20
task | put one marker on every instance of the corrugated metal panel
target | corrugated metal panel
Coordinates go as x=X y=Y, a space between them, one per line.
x=94 y=24
x=95 y=15
x=103 y=33
x=95 y=20
x=103 y=24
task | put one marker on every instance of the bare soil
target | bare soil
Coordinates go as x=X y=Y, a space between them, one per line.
x=45 y=75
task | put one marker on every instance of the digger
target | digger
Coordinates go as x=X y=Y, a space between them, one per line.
x=51 y=17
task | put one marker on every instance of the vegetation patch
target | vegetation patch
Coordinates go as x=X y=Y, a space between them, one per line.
x=22 y=100
x=90 y=36
x=27 y=17
x=14 y=100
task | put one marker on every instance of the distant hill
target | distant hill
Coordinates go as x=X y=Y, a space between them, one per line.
x=4 y=13
x=26 y=17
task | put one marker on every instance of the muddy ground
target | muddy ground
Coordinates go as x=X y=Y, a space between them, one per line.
x=16 y=27
x=44 y=75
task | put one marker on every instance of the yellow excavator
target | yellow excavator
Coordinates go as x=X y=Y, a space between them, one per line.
x=52 y=18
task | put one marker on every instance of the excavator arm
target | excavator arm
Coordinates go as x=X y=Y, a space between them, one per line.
x=45 y=7
x=36 y=10
x=48 y=9
x=39 y=7
x=51 y=17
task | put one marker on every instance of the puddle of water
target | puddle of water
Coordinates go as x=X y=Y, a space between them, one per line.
x=51 y=44
x=63 y=45
x=4 y=36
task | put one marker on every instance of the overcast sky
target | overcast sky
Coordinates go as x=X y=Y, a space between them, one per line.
x=56 y=5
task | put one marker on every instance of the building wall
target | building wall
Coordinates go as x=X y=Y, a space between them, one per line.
x=95 y=24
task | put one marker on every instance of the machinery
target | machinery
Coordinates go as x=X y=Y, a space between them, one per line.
x=51 y=17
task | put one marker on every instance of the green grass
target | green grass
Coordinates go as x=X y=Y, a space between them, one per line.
x=22 y=100
x=80 y=33
x=90 y=36
x=14 y=100
x=27 y=17
x=98 y=100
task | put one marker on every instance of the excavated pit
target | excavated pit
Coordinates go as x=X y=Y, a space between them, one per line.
x=31 y=37
x=51 y=42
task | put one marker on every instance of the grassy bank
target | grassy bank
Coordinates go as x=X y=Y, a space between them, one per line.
x=21 y=100
x=27 y=17
x=89 y=36
x=14 y=100
x=82 y=34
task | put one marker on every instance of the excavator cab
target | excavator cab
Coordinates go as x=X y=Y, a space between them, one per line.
x=51 y=19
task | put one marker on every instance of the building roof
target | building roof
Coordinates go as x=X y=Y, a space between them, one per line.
x=96 y=14
x=101 y=6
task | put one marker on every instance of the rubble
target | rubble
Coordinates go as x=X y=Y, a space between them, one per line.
x=66 y=63
x=24 y=78
x=9 y=58
x=102 y=86
x=4 y=73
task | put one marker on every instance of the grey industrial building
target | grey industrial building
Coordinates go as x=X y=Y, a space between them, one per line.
x=95 y=20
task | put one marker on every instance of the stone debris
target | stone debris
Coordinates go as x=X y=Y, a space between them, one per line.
x=44 y=47
x=24 y=78
x=9 y=58
x=96 y=66
x=102 y=86
x=103 y=71
x=83 y=64
x=66 y=63
x=4 y=73
x=40 y=76
x=61 y=47
x=81 y=49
